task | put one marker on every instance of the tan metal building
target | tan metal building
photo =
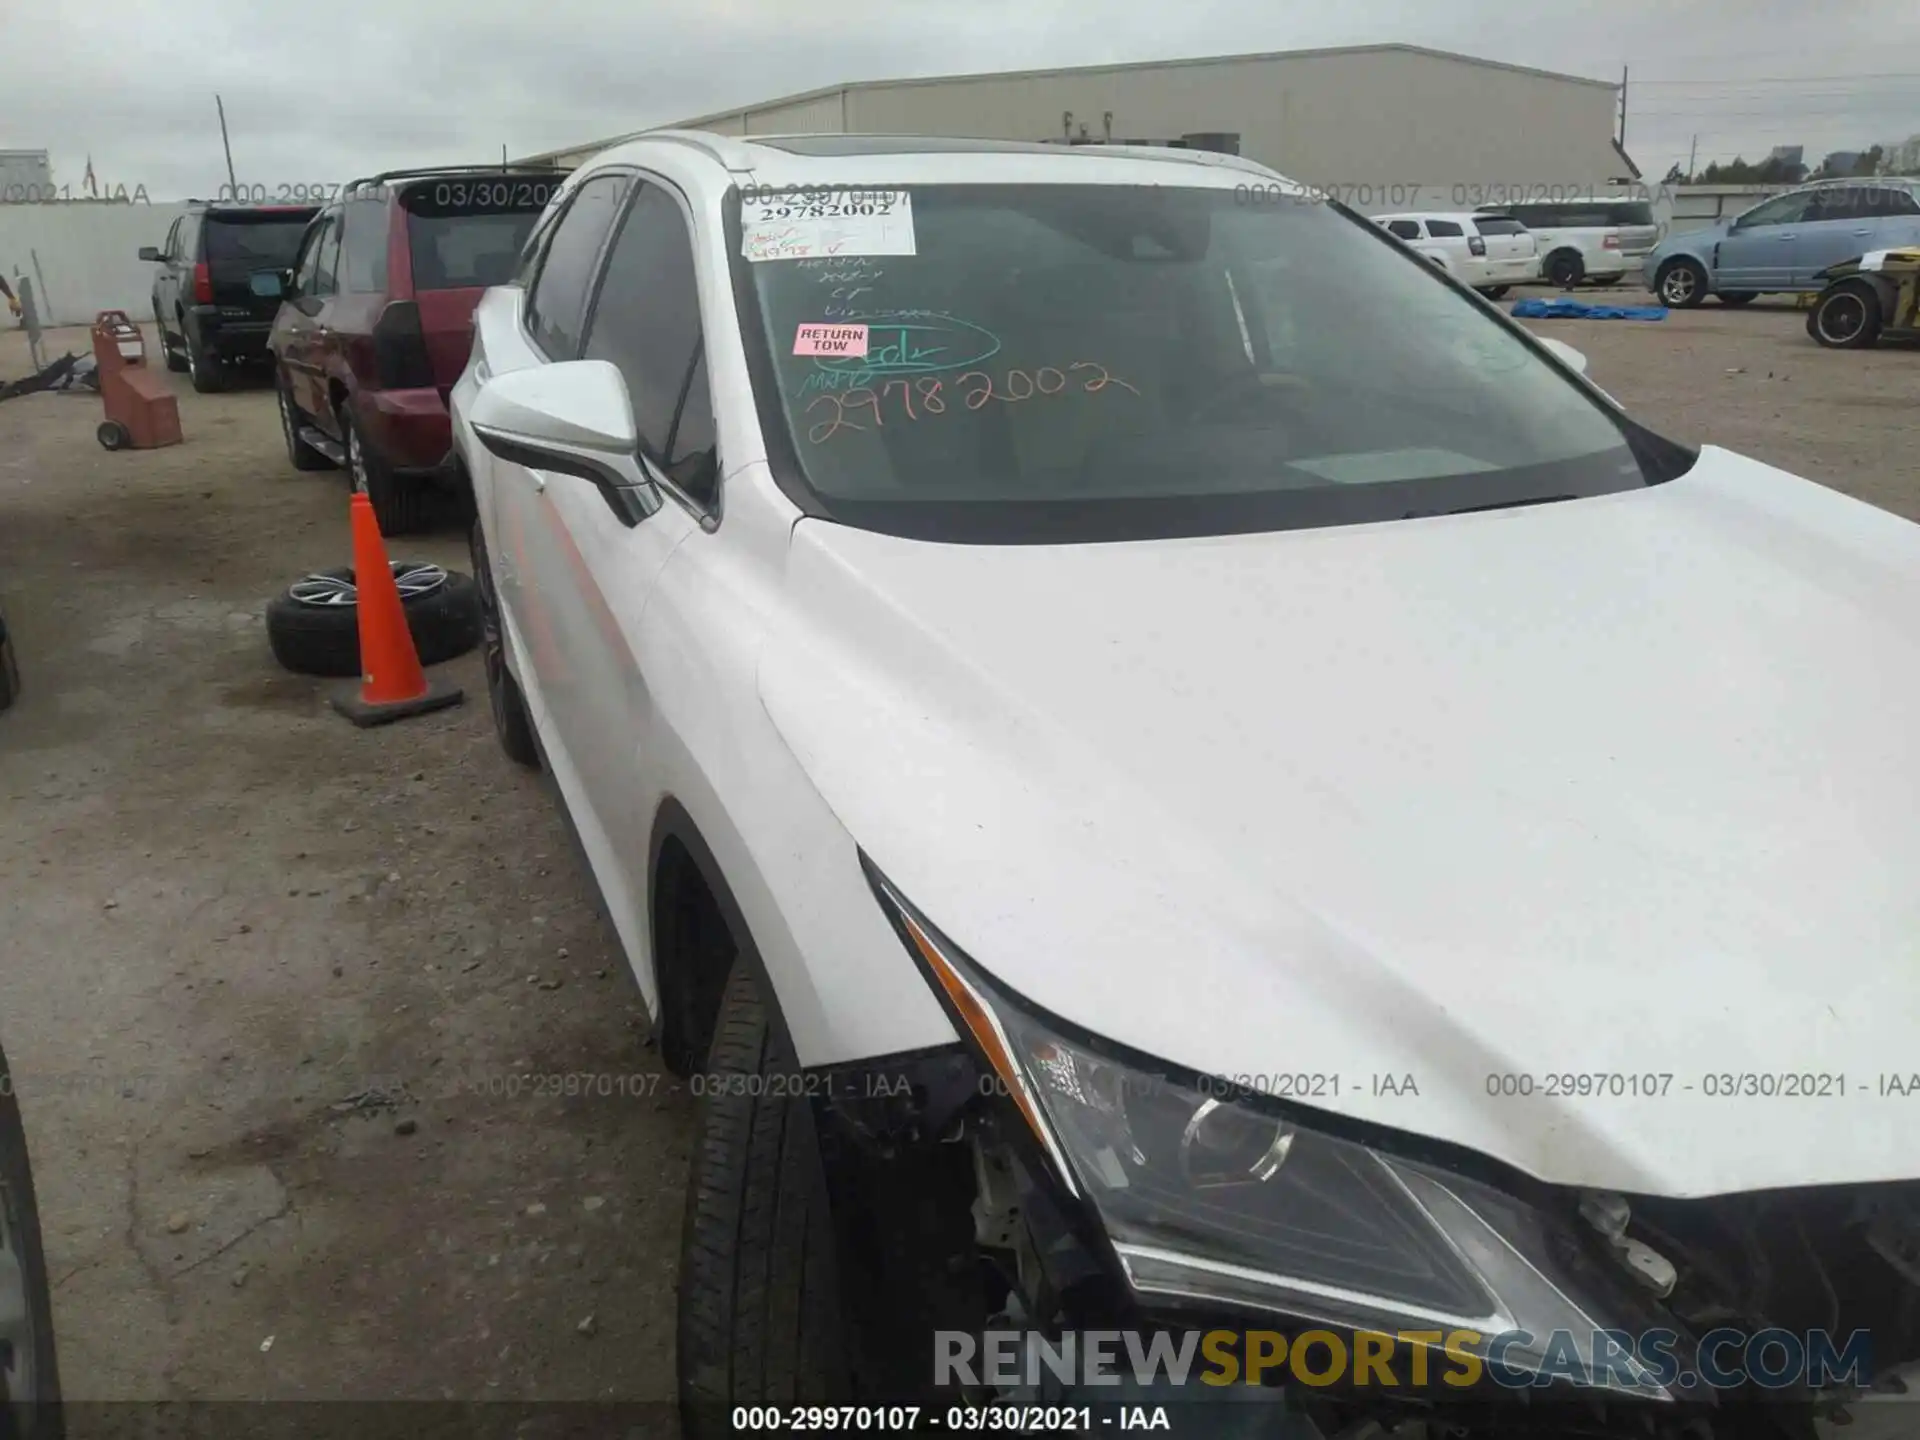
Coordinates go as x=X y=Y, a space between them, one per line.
x=1374 y=122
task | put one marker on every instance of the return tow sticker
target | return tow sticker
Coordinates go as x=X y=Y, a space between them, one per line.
x=830 y=340
x=809 y=225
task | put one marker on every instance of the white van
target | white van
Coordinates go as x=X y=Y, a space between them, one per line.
x=1594 y=239
x=1488 y=252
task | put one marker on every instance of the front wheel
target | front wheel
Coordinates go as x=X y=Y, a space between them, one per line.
x=300 y=454
x=511 y=723
x=760 y=1317
x=1846 y=317
x=9 y=669
x=176 y=362
x=29 y=1372
x=1681 y=284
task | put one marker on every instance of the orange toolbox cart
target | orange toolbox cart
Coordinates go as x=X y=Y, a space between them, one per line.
x=141 y=411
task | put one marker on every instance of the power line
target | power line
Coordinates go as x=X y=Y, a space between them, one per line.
x=1786 y=79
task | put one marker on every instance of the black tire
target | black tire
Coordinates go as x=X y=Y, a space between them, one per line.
x=112 y=435
x=176 y=362
x=760 y=1318
x=300 y=454
x=1496 y=292
x=9 y=668
x=1738 y=297
x=208 y=375
x=1681 y=284
x=37 y=1380
x=511 y=723
x=1565 y=268
x=1846 y=316
x=400 y=505
x=312 y=639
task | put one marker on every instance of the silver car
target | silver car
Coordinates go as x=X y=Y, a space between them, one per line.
x=1783 y=244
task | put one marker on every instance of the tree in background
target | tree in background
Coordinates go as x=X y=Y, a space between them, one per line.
x=1740 y=171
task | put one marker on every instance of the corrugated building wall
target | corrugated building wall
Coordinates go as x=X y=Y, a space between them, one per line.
x=1388 y=126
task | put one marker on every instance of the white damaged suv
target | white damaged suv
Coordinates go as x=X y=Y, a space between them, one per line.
x=1160 y=766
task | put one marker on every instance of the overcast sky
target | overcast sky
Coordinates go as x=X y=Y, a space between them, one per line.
x=326 y=92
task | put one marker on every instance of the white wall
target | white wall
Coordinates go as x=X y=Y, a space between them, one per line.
x=87 y=256
x=1695 y=207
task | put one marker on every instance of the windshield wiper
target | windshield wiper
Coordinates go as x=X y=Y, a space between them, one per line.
x=1497 y=505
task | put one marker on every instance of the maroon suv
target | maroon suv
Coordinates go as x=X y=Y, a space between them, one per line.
x=376 y=323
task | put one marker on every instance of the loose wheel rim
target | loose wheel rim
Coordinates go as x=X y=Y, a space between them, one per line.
x=356 y=461
x=19 y=1341
x=286 y=420
x=1848 y=307
x=193 y=358
x=329 y=592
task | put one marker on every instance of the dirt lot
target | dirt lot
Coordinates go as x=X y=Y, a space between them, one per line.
x=227 y=913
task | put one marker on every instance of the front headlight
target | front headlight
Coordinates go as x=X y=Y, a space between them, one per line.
x=1210 y=1197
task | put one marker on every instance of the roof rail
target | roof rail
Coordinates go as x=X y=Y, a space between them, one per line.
x=1176 y=155
x=730 y=150
x=486 y=167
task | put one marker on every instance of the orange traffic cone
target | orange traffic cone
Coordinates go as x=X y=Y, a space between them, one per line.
x=392 y=684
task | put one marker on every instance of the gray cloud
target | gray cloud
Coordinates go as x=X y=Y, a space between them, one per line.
x=327 y=93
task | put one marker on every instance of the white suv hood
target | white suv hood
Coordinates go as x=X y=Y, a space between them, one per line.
x=1623 y=786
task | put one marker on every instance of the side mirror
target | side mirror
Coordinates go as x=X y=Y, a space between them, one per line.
x=1573 y=359
x=573 y=418
x=149 y=252
x=267 y=284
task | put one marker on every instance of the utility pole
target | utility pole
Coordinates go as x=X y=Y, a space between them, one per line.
x=1693 y=154
x=233 y=185
x=1623 y=107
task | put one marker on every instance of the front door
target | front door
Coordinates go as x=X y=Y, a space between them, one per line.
x=323 y=344
x=1757 y=253
x=299 y=318
x=575 y=576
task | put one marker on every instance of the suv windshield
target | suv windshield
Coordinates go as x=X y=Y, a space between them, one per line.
x=260 y=241
x=466 y=232
x=1104 y=362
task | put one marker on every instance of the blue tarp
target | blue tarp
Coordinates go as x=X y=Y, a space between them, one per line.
x=1574 y=310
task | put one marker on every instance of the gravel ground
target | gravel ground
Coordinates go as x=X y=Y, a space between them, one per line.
x=235 y=926
x=228 y=913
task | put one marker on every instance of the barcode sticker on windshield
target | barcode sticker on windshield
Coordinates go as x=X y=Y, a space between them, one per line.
x=818 y=224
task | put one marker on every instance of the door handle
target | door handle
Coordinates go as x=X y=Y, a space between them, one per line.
x=1785 y=238
x=1863 y=232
